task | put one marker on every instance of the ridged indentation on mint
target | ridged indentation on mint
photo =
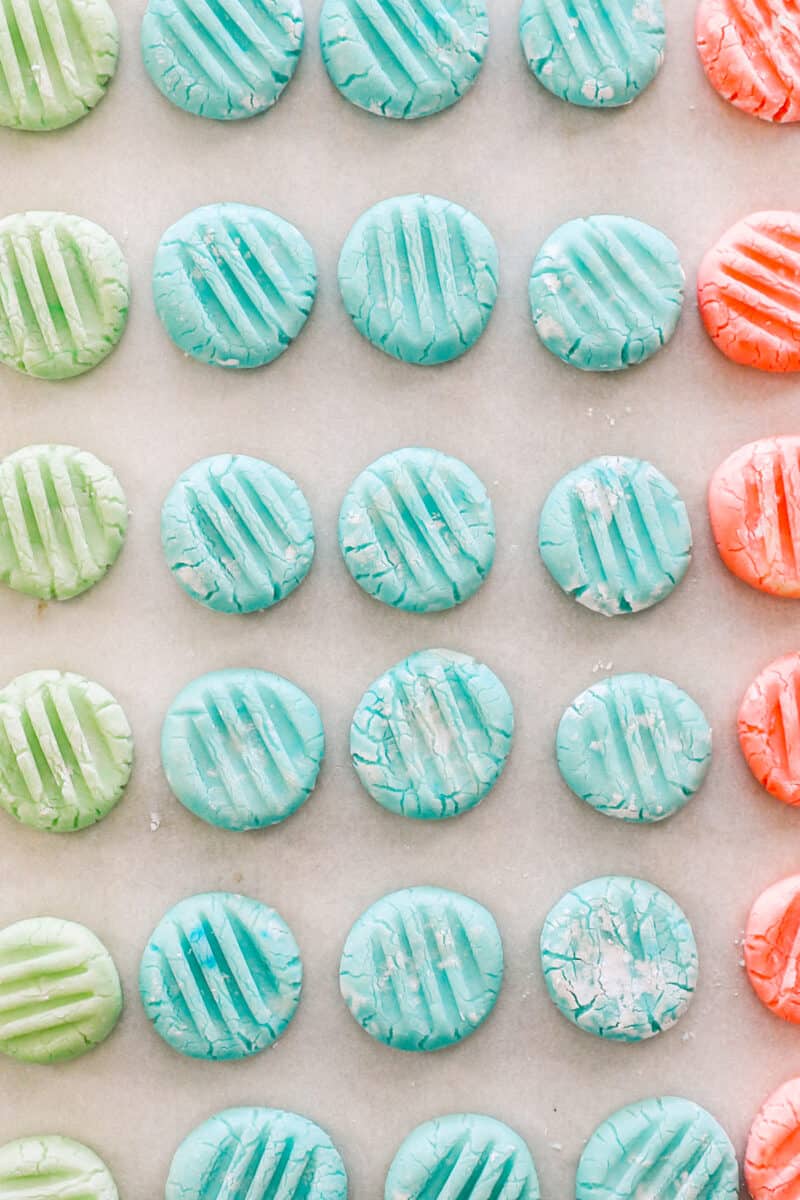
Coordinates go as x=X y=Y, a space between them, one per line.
x=767 y=34
x=463 y=1155
x=761 y=284
x=51 y=1167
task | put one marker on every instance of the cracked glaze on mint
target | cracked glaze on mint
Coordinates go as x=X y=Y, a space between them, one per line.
x=66 y=751
x=750 y=51
x=464 y=1155
x=431 y=736
x=237 y=533
x=666 y=1147
x=403 y=58
x=63 y=517
x=50 y=1167
x=606 y=292
x=59 y=991
x=417 y=530
x=418 y=275
x=220 y=976
x=255 y=1153
x=615 y=535
x=233 y=284
x=422 y=968
x=242 y=748
x=595 y=53
x=64 y=291
x=619 y=958
x=57 y=58
x=224 y=59
x=634 y=747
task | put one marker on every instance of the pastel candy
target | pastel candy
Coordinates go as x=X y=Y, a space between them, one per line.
x=595 y=53
x=242 y=748
x=606 y=292
x=46 y=1166
x=243 y=1153
x=233 y=284
x=418 y=276
x=749 y=53
x=220 y=977
x=64 y=292
x=748 y=289
x=66 y=751
x=222 y=61
x=403 y=58
x=769 y=728
x=432 y=735
x=619 y=958
x=615 y=535
x=63 y=518
x=634 y=747
x=416 y=530
x=422 y=968
x=771 y=950
x=771 y=1166
x=57 y=61
x=754 y=506
x=237 y=533
x=464 y=1154
x=666 y=1147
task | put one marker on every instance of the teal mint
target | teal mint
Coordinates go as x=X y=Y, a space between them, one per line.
x=666 y=1147
x=226 y=60
x=220 y=977
x=242 y=748
x=615 y=535
x=606 y=293
x=634 y=747
x=594 y=53
x=619 y=958
x=422 y=968
x=416 y=530
x=237 y=533
x=431 y=736
x=403 y=58
x=255 y=1153
x=418 y=276
x=233 y=284
x=466 y=1155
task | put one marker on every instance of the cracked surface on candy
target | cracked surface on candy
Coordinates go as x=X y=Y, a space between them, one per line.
x=595 y=53
x=418 y=276
x=57 y=58
x=634 y=747
x=754 y=507
x=242 y=748
x=772 y=948
x=233 y=284
x=422 y=968
x=66 y=751
x=416 y=530
x=619 y=958
x=50 y=1167
x=750 y=51
x=237 y=533
x=665 y=1147
x=431 y=736
x=606 y=292
x=466 y=1155
x=769 y=728
x=772 y=1157
x=244 y=1153
x=226 y=61
x=60 y=993
x=615 y=535
x=748 y=289
x=220 y=977
x=403 y=58
x=64 y=292
x=63 y=518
